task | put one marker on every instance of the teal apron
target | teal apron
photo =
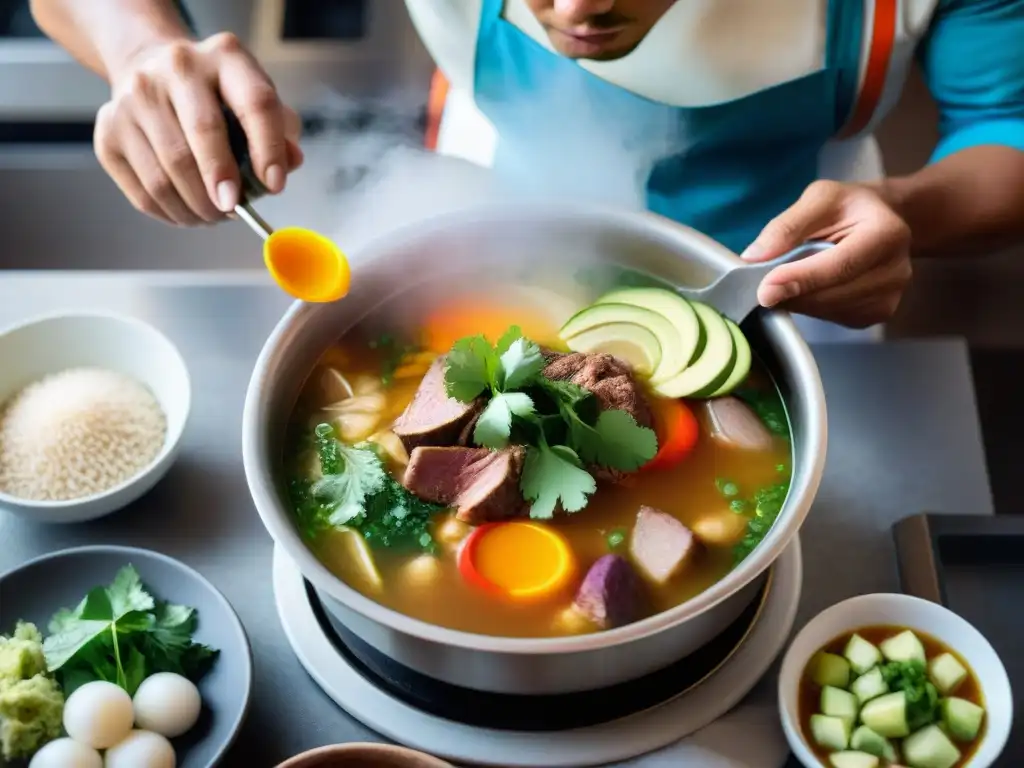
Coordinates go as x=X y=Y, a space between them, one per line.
x=725 y=169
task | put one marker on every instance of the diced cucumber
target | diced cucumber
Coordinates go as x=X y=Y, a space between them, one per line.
x=713 y=365
x=853 y=760
x=930 y=748
x=861 y=654
x=836 y=702
x=887 y=715
x=866 y=740
x=962 y=718
x=946 y=673
x=741 y=366
x=903 y=647
x=869 y=686
x=830 y=669
x=830 y=732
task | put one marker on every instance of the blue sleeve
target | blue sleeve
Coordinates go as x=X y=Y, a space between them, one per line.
x=973 y=60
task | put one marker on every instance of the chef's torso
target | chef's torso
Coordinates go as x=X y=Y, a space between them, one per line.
x=714 y=89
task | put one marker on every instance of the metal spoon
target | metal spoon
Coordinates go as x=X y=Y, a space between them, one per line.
x=734 y=294
x=304 y=264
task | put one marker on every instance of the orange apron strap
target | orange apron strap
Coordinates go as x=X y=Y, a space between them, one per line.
x=883 y=36
x=435 y=109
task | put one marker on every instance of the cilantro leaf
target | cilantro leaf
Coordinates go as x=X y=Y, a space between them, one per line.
x=345 y=493
x=520 y=364
x=127 y=593
x=614 y=440
x=554 y=476
x=618 y=442
x=514 y=333
x=122 y=635
x=494 y=426
x=470 y=368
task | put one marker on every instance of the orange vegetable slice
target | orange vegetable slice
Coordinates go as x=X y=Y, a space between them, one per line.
x=521 y=560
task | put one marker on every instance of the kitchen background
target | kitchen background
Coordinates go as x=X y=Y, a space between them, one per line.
x=61 y=212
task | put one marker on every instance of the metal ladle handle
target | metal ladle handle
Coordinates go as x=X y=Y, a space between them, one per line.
x=252 y=187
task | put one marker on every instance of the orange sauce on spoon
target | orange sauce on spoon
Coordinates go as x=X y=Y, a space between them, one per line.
x=307 y=265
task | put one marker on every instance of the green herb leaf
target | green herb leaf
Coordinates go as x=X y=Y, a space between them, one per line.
x=616 y=538
x=922 y=697
x=618 y=442
x=554 y=476
x=119 y=634
x=768 y=503
x=520 y=364
x=514 y=333
x=494 y=427
x=345 y=493
x=727 y=487
x=470 y=368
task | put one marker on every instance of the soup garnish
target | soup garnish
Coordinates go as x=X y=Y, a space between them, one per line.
x=491 y=481
x=885 y=696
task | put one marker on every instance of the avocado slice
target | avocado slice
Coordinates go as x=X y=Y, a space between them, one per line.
x=672 y=307
x=712 y=368
x=632 y=344
x=741 y=367
x=672 y=357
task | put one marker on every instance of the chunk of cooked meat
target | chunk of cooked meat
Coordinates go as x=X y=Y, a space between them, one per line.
x=613 y=386
x=482 y=485
x=734 y=424
x=608 y=378
x=433 y=418
x=611 y=594
x=660 y=545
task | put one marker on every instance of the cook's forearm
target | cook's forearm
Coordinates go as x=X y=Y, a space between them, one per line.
x=967 y=203
x=105 y=34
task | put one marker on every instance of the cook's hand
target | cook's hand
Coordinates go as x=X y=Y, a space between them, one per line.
x=163 y=139
x=857 y=283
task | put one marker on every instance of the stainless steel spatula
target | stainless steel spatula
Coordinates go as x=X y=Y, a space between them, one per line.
x=734 y=294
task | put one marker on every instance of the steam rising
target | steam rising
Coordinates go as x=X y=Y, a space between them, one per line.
x=564 y=147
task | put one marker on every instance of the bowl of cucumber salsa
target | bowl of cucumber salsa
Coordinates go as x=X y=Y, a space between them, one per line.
x=893 y=681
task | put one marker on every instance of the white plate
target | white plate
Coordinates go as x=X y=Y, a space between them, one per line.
x=594 y=745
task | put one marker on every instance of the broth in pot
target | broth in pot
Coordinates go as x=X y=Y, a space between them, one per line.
x=503 y=470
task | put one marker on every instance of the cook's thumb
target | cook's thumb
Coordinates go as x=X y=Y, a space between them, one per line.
x=810 y=214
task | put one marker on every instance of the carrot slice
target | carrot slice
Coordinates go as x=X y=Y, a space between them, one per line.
x=521 y=560
x=677 y=430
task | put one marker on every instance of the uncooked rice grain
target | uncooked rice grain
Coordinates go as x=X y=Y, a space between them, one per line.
x=77 y=433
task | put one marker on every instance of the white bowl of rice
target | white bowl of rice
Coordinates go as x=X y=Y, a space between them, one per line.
x=92 y=410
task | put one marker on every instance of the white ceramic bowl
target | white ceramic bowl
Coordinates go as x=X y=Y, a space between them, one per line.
x=911 y=613
x=50 y=344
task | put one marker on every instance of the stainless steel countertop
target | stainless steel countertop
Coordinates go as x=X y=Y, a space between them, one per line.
x=904 y=437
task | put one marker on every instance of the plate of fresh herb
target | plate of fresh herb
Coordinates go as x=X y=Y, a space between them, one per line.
x=122 y=653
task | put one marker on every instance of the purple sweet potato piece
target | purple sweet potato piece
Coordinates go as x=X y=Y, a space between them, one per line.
x=660 y=545
x=611 y=594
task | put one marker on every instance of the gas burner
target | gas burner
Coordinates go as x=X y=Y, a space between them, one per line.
x=555 y=730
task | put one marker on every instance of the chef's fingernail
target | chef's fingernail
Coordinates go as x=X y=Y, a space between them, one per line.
x=275 y=178
x=227 y=195
x=754 y=252
x=770 y=295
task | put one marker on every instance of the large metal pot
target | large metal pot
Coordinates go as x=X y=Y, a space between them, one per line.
x=486 y=243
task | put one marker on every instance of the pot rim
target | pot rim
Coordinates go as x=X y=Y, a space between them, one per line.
x=277 y=519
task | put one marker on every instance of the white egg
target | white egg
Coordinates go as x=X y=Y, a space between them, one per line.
x=141 y=749
x=98 y=714
x=167 y=704
x=66 y=753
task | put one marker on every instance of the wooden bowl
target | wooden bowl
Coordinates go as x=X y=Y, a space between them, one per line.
x=362 y=755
